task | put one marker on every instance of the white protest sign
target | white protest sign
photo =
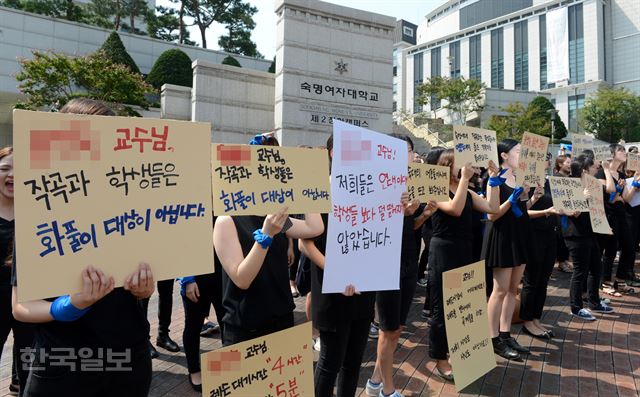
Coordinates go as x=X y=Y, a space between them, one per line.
x=599 y=222
x=364 y=235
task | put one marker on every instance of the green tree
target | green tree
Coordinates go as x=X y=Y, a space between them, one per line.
x=172 y=67
x=272 y=67
x=205 y=12
x=107 y=14
x=64 y=9
x=51 y=79
x=115 y=51
x=462 y=96
x=612 y=114
x=539 y=121
x=512 y=124
x=239 y=23
x=229 y=60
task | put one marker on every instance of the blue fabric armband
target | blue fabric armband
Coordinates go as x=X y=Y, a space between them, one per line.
x=635 y=184
x=184 y=281
x=262 y=239
x=564 y=221
x=497 y=180
x=257 y=140
x=62 y=310
x=513 y=199
x=619 y=190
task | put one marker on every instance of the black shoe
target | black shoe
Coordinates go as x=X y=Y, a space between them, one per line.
x=209 y=328
x=544 y=335
x=425 y=314
x=153 y=352
x=195 y=387
x=512 y=343
x=501 y=349
x=14 y=389
x=166 y=343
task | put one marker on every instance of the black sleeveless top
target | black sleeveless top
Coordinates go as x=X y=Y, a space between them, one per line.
x=268 y=296
x=7 y=229
x=454 y=227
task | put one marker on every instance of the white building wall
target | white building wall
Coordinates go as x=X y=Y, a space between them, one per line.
x=626 y=44
x=485 y=66
x=509 y=57
x=446 y=25
x=534 y=53
x=464 y=57
x=592 y=41
x=410 y=85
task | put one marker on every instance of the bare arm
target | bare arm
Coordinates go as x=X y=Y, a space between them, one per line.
x=311 y=227
x=608 y=182
x=455 y=206
x=312 y=252
x=488 y=205
x=37 y=311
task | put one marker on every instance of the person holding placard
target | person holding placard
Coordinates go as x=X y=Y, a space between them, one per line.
x=562 y=168
x=100 y=322
x=451 y=246
x=616 y=195
x=537 y=273
x=584 y=251
x=253 y=252
x=508 y=250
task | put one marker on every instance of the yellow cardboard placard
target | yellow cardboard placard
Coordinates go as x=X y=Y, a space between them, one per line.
x=599 y=222
x=533 y=158
x=279 y=364
x=109 y=192
x=580 y=143
x=428 y=182
x=601 y=152
x=467 y=325
x=474 y=145
x=261 y=180
x=568 y=194
x=633 y=161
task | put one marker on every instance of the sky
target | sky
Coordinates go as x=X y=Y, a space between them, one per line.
x=264 y=35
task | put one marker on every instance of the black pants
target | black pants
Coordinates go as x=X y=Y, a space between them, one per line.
x=562 y=250
x=293 y=269
x=587 y=268
x=54 y=381
x=536 y=275
x=423 y=265
x=341 y=357
x=165 y=305
x=22 y=334
x=622 y=239
x=233 y=334
x=210 y=288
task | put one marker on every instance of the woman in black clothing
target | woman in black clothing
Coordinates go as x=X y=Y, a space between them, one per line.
x=253 y=252
x=562 y=168
x=616 y=215
x=507 y=251
x=451 y=247
x=538 y=271
x=99 y=323
x=584 y=251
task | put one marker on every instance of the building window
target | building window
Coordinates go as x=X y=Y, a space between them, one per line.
x=436 y=63
x=521 y=49
x=576 y=45
x=407 y=31
x=543 y=51
x=497 y=58
x=454 y=59
x=604 y=39
x=576 y=103
x=475 y=58
x=394 y=106
x=418 y=72
x=395 y=71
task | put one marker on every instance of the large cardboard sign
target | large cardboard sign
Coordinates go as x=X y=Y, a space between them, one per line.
x=260 y=180
x=533 y=159
x=599 y=222
x=580 y=143
x=474 y=145
x=428 y=182
x=568 y=194
x=364 y=235
x=109 y=192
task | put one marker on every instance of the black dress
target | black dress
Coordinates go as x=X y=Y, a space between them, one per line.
x=509 y=239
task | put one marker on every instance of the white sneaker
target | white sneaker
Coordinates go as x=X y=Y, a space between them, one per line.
x=395 y=394
x=316 y=344
x=373 y=389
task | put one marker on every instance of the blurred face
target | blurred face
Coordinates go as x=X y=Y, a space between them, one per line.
x=566 y=166
x=593 y=169
x=510 y=159
x=620 y=154
x=6 y=176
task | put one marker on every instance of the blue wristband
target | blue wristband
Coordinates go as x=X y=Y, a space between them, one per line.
x=619 y=190
x=635 y=184
x=564 y=221
x=62 y=309
x=497 y=180
x=262 y=239
x=184 y=281
x=513 y=199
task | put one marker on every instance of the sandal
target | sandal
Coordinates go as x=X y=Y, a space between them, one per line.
x=564 y=267
x=623 y=287
x=609 y=289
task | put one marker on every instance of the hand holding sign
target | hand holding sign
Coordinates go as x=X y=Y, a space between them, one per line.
x=273 y=223
x=95 y=286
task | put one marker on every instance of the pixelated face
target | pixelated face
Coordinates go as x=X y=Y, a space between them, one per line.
x=6 y=176
x=512 y=157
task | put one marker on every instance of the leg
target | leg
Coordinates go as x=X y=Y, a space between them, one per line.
x=332 y=353
x=531 y=290
x=501 y=282
x=352 y=361
x=509 y=303
x=595 y=273
x=193 y=318
x=165 y=305
x=383 y=370
x=548 y=260
x=627 y=252
x=578 y=251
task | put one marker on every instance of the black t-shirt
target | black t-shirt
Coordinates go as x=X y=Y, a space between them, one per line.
x=612 y=209
x=7 y=229
x=578 y=227
x=328 y=310
x=269 y=296
x=409 y=251
x=454 y=227
x=115 y=322
x=544 y=223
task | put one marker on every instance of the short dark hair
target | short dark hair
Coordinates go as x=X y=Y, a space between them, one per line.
x=87 y=106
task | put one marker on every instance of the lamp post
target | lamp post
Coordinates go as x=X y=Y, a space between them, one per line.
x=552 y=115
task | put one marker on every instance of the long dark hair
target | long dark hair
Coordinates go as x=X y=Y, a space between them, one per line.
x=505 y=146
x=580 y=164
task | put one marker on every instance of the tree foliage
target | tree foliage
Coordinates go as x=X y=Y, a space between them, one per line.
x=462 y=96
x=272 y=67
x=50 y=80
x=239 y=23
x=612 y=114
x=172 y=67
x=540 y=119
x=115 y=51
x=165 y=25
x=229 y=60
x=533 y=118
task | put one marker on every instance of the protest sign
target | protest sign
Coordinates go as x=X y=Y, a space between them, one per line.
x=533 y=159
x=364 y=235
x=109 y=192
x=635 y=199
x=467 y=325
x=261 y=180
x=474 y=145
x=580 y=143
x=633 y=161
x=428 y=182
x=599 y=222
x=568 y=194
x=279 y=364
x=602 y=152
